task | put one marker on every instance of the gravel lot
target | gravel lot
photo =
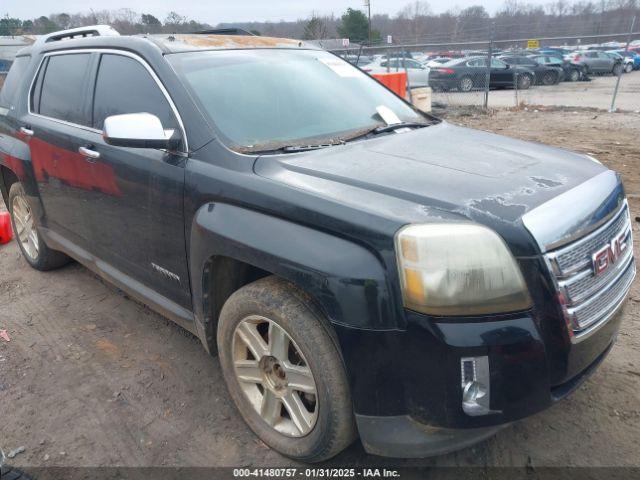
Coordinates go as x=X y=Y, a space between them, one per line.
x=594 y=94
x=92 y=378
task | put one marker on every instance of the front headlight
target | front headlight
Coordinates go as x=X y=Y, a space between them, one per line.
x=458 y=269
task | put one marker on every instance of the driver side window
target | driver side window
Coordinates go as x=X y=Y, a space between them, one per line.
x=125 y=86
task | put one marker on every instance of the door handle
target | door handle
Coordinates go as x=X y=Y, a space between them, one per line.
x=26 y=131
x=87 y=152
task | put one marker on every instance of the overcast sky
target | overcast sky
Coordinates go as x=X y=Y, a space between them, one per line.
x=216 y=11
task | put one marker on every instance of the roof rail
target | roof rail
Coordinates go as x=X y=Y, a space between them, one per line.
x=80 y=32
x=226 y=31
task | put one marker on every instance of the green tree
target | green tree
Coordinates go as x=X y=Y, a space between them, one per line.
x=355 y=26
x=10 y=26
x=315 y=29
x=150 y=20
x=44 y=25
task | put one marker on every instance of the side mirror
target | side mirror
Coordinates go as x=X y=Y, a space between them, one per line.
x=138 y=130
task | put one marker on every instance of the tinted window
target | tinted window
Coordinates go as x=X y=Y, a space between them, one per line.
x=125 y=86
x=13 y=81
x=63 y=88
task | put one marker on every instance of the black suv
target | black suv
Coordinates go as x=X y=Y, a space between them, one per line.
x=358 y=266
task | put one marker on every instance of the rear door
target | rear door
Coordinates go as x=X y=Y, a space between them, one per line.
x=137 y=215
x=58 y=118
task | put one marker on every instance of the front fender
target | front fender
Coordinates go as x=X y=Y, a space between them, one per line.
x=346 y=279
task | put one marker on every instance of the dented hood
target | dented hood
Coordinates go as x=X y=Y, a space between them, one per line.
x=469 y=172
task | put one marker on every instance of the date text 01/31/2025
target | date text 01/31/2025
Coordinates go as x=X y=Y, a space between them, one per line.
x=315 y=473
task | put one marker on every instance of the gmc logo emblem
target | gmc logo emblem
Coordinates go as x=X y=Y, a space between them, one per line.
x=609 y=254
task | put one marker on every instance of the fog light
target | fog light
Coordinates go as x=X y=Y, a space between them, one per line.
x=475 y=386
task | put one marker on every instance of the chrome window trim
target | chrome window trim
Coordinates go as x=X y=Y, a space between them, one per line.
x=111 y=51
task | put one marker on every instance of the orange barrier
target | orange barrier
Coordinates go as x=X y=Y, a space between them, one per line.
x=396 y=81
x=6 y=233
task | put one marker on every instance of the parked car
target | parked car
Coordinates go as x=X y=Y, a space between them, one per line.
x=596 y=61
x=466 y=74
x=631 y=59
x=627 y=63
x=572 y=71
x=358 y=60
x=418 y=74
x=436 y=62
x=359 y=267
x=544 y=74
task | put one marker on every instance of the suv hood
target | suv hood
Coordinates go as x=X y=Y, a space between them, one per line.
x=485 y=177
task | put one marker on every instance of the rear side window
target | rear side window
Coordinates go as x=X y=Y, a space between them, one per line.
x=125 y=86
x=63 y=87
x=13 y=81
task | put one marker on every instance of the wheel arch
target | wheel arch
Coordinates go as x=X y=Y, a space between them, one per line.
x=7 y=178
x=231 y=246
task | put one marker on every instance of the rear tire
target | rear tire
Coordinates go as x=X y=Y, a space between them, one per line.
x=262 y=317
x=549 y=78
x=465 y=84
x=34 y=250
x=574 y=76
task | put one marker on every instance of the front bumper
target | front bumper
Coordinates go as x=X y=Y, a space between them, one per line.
x=406 y=385
x=403 y=437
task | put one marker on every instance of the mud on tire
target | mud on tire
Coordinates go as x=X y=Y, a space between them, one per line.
x=36 y=253
x=294 y=312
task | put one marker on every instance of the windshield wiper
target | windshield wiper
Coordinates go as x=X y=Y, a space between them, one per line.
x=396 y=126
x=385 y=129
x=295 y=148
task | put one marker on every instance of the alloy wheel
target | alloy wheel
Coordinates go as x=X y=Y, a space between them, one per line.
x=26 y=232
x=466 y=84
x=525 y=82
x=274 y=376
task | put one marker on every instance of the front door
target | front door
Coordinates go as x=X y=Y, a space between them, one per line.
x=137 y=218
x=501 y=74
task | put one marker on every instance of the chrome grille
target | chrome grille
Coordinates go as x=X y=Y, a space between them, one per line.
x=589 y=300
x=578 y=255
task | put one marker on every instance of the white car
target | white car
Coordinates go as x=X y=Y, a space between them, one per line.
x=418 y=74
x=437 y=62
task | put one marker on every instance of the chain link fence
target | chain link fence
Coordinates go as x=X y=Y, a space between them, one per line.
x=599 y=71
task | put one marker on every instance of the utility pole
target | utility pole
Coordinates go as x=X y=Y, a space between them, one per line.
x=487 y=80
x=367 y=3
x=626 y=49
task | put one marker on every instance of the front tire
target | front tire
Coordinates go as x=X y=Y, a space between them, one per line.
x=524 y=82
x=284 y=371
x=617 y=69
x=628 y=68
x=31 y=244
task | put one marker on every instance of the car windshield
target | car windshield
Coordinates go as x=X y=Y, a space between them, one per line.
x=271 y=98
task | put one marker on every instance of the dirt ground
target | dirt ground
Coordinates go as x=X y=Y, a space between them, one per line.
x=92 y=378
